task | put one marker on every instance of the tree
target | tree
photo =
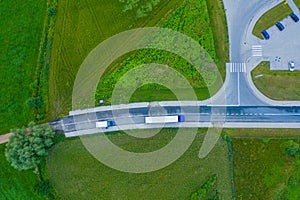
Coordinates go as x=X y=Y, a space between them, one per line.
x=28 y=146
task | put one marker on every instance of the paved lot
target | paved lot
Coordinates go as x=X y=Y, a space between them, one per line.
x=283 y=46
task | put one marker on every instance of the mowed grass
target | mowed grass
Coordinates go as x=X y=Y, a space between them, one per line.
x=15 y=184
x=21 y=29
x=277 y=85
x=75 y=174
x=263 y=170
x=269 y=19
x=80 y=26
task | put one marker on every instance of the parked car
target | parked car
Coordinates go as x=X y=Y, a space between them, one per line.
x=279 y=26
x=292 y=66
x=265 y=34
x=294 y=17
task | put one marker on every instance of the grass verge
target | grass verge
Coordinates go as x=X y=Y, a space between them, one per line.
x=261 y=133
x=218 y=24
x=74 y=173
x=269 y=19
x=277 y=85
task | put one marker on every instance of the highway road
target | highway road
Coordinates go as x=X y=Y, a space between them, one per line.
x=132 y=118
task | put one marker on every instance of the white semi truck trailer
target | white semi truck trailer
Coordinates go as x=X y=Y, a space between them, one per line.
x=164 y=119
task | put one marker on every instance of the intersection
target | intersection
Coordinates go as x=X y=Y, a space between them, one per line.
x=237 y=104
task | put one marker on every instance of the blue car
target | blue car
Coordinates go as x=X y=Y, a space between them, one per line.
x=294 y=17
x=279 y=26
x=265 y=34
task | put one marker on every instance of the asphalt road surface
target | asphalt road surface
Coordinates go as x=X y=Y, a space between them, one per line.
x=216 y=114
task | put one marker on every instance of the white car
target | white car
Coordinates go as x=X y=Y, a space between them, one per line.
x=292 y=66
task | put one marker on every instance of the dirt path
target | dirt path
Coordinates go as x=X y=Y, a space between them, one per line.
x=4 y=138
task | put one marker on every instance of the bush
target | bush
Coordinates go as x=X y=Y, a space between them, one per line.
x=207 y=189
x=51 y=12
x=35 y=102
x=43 y=188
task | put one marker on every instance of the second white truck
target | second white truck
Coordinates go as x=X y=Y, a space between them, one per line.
x=164 y=119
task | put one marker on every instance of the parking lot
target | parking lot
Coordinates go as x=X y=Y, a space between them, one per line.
x=283 y=46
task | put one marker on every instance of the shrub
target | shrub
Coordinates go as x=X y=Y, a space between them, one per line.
x=35 y=102
x=51 y=11
x=43 y=188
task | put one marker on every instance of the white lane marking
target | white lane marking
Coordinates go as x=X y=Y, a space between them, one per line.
x=282 y=114
x=239 y=97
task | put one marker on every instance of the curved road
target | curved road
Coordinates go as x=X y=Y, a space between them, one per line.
x=241 y=18
x=237 y=104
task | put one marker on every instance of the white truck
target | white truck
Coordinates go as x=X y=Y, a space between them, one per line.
x=104 y=124
x=164 y=119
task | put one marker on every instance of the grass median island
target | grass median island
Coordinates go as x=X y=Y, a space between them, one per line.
x=76 y=174
x=269 y=19
x=21 y=30
x=264 y=169
x=277 y=85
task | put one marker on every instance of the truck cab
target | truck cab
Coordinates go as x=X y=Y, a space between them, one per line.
x=180 y=118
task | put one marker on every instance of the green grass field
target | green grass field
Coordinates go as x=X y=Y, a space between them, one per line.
x=277 y=85
x=80 y=27
x=263 y=170
x=269 y=19
x=74 y=173
x=15 y=184
x=21 y=29
x=189 y=16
